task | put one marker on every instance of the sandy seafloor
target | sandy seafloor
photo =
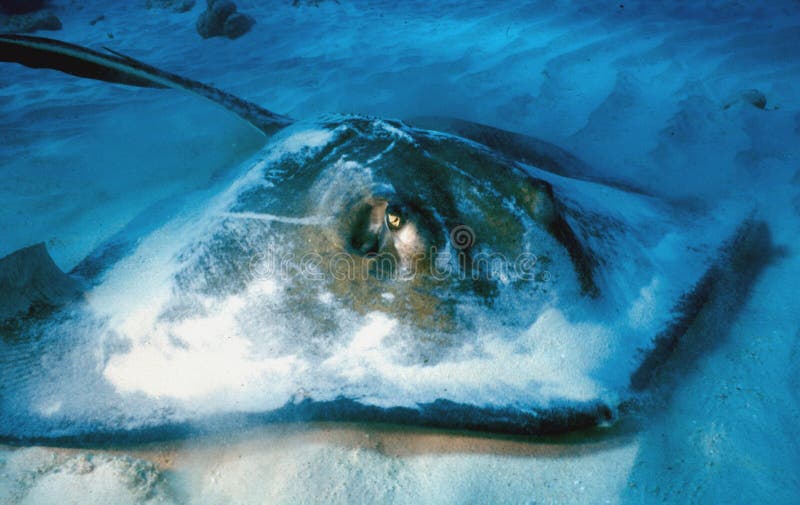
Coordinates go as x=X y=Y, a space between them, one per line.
x=642 y=90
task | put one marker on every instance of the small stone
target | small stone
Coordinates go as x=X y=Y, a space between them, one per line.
x=237 y=25
x=206 y=26
x=221 y=18
x=752 y=96
x=756 y=98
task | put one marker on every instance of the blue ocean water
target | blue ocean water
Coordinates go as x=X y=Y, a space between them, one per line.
x=694 y=104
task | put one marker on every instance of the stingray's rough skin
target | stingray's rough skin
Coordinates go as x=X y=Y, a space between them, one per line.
x=489 y=253
x=418 y=273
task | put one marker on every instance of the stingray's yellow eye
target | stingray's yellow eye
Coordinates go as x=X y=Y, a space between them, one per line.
x=393 y=220
x=394 y=217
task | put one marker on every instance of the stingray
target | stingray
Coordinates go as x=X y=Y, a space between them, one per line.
x=430 y=271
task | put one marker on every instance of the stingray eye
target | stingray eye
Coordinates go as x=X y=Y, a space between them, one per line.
x=394 y=217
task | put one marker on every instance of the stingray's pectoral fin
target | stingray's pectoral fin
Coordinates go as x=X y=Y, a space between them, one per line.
x=39 y=52
x=30 y=280
x=720 y=294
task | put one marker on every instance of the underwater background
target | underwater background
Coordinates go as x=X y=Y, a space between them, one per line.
x=691 y=100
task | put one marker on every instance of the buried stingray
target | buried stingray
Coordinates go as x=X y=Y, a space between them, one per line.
x=357 y=269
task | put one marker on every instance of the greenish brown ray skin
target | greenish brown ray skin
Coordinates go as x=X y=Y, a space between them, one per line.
x=443 y=183
x=429 y=177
